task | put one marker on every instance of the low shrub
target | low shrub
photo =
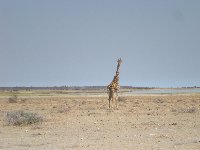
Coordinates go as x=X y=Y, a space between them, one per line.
x=189 y=110
x=13 y=99
x=22 y=118
x=184 y=110
x=122 y=99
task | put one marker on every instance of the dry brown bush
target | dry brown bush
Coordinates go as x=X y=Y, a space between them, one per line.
x=22 y=118
x=13 y=99
x=122 y=99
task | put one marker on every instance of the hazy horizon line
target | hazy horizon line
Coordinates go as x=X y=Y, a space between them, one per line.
x=99 y=86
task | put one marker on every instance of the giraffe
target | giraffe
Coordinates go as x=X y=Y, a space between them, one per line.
x=113 y=87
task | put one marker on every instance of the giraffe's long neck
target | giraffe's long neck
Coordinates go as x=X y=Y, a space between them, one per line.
x=118 y=66
x=116 y=77
x=115 y=81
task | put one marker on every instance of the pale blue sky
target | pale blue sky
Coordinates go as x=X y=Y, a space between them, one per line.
x=77 y=42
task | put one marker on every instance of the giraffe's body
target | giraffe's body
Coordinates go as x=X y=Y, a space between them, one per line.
x=113 y=87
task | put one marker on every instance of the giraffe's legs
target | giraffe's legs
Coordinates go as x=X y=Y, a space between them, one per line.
x=116 y=99
x=110 y=101
x=113 y=96
x=110 y=97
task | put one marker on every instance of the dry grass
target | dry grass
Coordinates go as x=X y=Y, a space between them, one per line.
x=184 y=110
x=22 y=118
x=13 y=99
x=122 y=99
x=85 y=122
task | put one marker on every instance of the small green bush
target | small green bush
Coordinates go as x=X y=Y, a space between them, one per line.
x=22 y=118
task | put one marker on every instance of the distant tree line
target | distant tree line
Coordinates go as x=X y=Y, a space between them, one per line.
x=68 y=88
x=75 y=88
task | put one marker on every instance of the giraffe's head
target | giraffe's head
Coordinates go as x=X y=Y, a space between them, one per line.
x=119 y=61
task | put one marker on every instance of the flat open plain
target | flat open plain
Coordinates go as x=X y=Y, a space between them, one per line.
x=141 y=122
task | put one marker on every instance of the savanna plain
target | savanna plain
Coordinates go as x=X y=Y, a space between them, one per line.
x=84 y=121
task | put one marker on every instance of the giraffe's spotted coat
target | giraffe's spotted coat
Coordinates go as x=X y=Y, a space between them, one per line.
x=114 y=87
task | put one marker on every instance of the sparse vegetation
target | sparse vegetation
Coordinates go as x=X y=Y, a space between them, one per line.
x=122 y=99
x=63 y=109
x=13 y=99
x=22 y=118
x=84 y=117
x=184 y=110
x=22 y=100
x=158 y=101
x=189 y=110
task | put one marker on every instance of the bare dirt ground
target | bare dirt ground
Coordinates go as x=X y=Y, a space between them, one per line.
x=142 y=122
